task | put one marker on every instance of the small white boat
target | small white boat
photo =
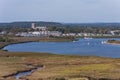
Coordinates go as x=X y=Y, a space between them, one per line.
x=103 y=42
x=88 y=43
x=74 y=41
x=88 y=38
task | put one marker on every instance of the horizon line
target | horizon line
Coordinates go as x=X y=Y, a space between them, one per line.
x=59 y=22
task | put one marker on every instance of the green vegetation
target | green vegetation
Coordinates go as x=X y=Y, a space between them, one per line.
x=100 y=28
x=113 y=42
x=4 y=39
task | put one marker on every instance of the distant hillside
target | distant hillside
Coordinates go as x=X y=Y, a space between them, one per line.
x=94 y=24
x=48 y=24
x=28 y=24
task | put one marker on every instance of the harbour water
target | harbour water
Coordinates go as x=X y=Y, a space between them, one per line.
x=89 y=47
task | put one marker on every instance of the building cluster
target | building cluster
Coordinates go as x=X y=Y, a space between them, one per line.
x=114 y=32
x=40 y=28
x=39 y=31
x=42 y=31
x=85 y=34
x=39 y=34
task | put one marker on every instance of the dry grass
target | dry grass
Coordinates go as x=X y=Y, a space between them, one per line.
x=55 y=66
x=58 y=67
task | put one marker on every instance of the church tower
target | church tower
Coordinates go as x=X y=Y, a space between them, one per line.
x=33 y=26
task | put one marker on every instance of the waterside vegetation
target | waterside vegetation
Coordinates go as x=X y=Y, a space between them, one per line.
x=56 y=67
x=113 y=42
x=4 y=41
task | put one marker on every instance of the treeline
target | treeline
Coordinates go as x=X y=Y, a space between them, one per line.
x=82 y=29
x=28 y=24
x=62 y=27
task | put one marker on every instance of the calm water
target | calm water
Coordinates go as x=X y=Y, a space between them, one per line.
x=25 y=73
x=80 y=47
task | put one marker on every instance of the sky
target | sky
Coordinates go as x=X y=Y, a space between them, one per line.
x=68 y=11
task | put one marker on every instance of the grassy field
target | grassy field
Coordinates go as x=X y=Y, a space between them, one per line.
x=56 y=67
x=44 y=39
x=59 y=67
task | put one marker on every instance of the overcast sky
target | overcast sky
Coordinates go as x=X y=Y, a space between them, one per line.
x=78 y=11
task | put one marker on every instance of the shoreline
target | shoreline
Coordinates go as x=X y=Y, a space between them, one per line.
x=12 y=43
x=1 y=47
x=48 y=40
x=21 y=40
x=55 y=63
x=114 y=42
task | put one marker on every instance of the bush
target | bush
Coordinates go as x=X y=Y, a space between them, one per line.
x=5 y=39
x=60 y=79
x=2 y=40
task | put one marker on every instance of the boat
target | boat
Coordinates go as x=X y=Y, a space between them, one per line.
x=88 y=43
x=103 y=42
x=88 y=38
x=74 y=41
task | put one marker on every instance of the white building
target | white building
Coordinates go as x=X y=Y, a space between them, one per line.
x=114 y=31
x=3 y=32
x=39 y=34
x=41 y=28
x=69 y=34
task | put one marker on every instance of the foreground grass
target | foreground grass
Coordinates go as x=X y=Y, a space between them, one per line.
x=59 y=67
x=56 y=67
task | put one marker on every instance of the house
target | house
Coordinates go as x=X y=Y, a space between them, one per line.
x=40 y=28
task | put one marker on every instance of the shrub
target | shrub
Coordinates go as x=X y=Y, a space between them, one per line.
x=60 y=78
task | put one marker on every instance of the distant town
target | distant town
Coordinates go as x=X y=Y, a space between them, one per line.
x=42 y=31
x=59 y=30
